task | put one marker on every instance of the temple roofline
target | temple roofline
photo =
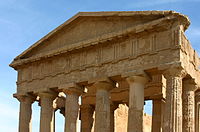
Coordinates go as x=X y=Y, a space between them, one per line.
x=185 y=21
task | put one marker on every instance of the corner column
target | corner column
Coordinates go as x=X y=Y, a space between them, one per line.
x=72 y=92
x=136 y=103
x=86 y=117
x=25 y=113
x=189 y=88
x=102 y=108
x=47 y=111
x=173 y=106
x=197 y=111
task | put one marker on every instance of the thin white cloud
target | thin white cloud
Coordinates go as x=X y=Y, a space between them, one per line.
x=194 y=32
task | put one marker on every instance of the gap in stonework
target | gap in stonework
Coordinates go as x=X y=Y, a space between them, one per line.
x=35 y=117
x=59 y=121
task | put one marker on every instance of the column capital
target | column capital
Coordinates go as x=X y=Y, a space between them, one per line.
x=138 y=79
x=47 y=94
x=189 y=84
x=25 y=97
x=72 y=88
x=197 y=95
x=102 y=83
x=105 y=85
x=176 y=72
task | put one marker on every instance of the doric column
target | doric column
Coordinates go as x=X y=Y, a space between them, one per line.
x=136 y=103
x=173 y=106
x=102 y=108
x=157 y=117
x=86 y=117
x=189 y=88
x=47 y=111
x=197 y=111
x=25 y=113
x=72 y=92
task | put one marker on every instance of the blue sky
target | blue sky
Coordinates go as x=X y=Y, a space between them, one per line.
x=23 y=22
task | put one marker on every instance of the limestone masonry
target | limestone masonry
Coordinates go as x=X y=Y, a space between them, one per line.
x=112 y=62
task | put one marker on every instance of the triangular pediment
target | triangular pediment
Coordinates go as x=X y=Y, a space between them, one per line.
x=90 y=25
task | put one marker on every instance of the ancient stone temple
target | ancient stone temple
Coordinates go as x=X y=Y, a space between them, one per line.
x=109 y=59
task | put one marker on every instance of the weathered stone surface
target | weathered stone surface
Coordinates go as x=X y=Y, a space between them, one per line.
x=81 y=55
x=25 y=115
x=72 y=92
x=47 y=112
x=136 y=103
x=138 y=51
x=189 y=88
x=173 y=107
x=121 y=120
x=102 y=107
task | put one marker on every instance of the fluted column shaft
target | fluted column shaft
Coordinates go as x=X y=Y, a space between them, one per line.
x=47 y=112
x=197 y=111
x=72 y=91
x=189 y=88
x=25 y=114
x=86 y=117
x=136 y=103
x=173 y=106
x=157 y=117
x=102 y=108
x=71 y=112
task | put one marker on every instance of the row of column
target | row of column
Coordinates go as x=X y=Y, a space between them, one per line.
x=47 y=110
x=104 y=111
x=178 y=113
x=180 y=103
x=178 y=108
